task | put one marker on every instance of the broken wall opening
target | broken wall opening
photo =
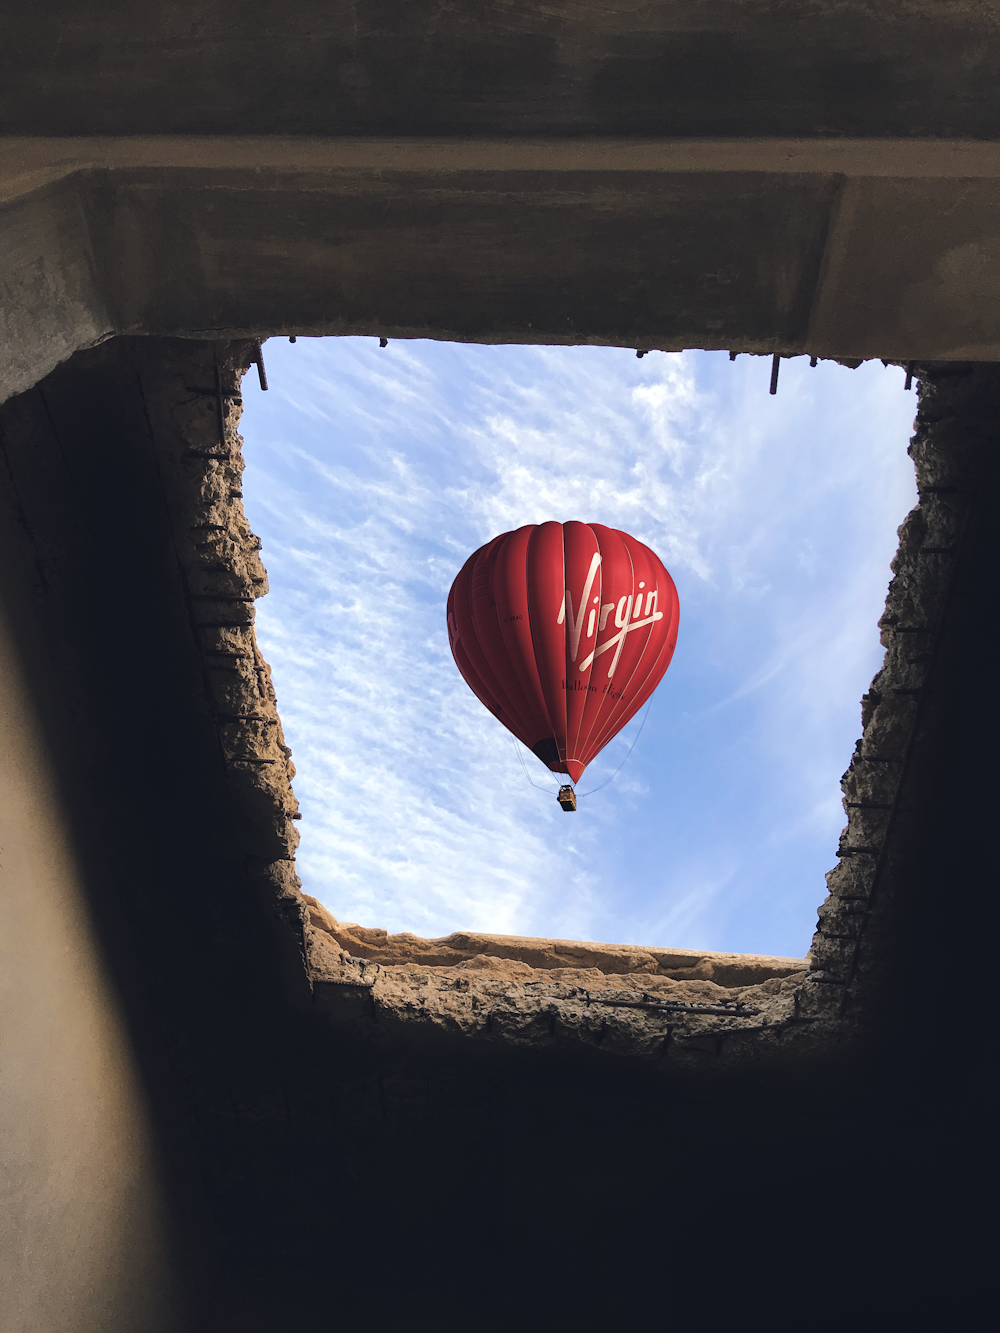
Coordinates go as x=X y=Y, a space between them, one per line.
x=156 y=764
x=398 y=762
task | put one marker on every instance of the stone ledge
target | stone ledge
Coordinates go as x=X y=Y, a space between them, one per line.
x=576 y=962
x=575 y=1012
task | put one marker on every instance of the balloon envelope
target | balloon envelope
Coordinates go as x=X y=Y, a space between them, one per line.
x=563 y=631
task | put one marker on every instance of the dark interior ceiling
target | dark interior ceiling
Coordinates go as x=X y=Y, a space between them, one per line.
x=776 y=68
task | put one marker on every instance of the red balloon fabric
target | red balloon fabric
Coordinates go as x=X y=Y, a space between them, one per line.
x=563 y=631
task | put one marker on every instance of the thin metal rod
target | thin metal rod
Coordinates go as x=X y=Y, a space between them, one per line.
x=775 y=363
x=258 y=356
x=220 y=412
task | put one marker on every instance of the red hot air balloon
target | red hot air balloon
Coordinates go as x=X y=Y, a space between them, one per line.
x=563 y=631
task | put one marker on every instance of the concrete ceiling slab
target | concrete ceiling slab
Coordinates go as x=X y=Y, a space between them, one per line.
x=842 y=248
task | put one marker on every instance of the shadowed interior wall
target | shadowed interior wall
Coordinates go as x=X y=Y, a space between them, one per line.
x=122 y=860
x=327 y=1160
x=83 y=1236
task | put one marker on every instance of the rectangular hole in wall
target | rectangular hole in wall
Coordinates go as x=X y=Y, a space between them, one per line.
x=372 y=473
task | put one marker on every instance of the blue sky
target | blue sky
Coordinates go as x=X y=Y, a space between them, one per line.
x=373 y=473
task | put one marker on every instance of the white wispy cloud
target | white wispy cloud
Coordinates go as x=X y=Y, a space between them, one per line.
x=373 y=474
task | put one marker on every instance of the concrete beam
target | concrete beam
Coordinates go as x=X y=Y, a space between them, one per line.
x=836 y=248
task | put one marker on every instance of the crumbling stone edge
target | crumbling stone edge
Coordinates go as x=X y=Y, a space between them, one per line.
x=954 y=449
x=193 y=402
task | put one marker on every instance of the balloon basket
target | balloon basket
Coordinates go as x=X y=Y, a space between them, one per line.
x=567 y=798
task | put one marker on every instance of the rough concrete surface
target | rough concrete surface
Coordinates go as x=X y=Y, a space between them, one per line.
x=501 y=998
x=955 y=452
x=193 y=405
x=548 y=956
x=833 y=247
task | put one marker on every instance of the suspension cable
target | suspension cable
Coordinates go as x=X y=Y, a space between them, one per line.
x=593 y=790
x=601 y=786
